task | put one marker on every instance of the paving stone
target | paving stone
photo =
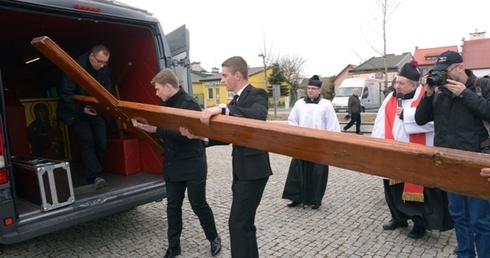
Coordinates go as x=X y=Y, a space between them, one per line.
x=348 y=224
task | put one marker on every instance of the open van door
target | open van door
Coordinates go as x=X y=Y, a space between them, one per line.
x=133 y=167
x=178 y=42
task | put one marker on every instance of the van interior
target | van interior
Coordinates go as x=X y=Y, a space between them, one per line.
x=29 y=80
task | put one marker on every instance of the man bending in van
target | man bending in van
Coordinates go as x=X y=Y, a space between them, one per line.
x=89 y=127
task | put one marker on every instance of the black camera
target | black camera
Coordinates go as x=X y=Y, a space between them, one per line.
x=437 y=78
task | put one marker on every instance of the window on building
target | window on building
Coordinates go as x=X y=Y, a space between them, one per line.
x=210 y=93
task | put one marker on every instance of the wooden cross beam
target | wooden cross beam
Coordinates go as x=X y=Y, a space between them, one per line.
x=451 y=170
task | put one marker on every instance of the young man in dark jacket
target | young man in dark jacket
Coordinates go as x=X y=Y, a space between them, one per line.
x=251 y=167
x=185 y=166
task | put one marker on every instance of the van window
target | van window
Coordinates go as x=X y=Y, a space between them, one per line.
x=347 y=92
x=365 y=93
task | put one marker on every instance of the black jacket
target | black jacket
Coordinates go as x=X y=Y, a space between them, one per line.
x=68 y=110
x=183 y=159
x=354 y=105
x=248 y=163
x=458 y=121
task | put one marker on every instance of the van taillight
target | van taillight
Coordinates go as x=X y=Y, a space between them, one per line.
x=87 y=8
x=8 y=221
x=3 y=176
x=3 y=172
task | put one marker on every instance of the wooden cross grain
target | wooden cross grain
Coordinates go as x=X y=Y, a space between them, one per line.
x=451 y=170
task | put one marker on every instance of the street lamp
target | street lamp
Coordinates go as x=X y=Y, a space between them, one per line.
x=265 y=76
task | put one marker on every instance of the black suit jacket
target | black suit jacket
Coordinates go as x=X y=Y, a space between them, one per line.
x=248 y=163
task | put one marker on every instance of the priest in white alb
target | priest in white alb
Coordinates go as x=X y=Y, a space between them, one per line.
x=426 y=207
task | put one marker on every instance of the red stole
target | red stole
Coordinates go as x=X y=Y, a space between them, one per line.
x=411 y=192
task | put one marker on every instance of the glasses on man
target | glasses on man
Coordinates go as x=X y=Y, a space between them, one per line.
x=448 y=70
x=100 y=61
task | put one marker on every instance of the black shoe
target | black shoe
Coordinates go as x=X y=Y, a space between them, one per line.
x=360 y=133
x=215 y=246
x=99 y=182
x=294 y=204
x=391 y=225
x=172 y=252
x=315 y=207
x=417 y=232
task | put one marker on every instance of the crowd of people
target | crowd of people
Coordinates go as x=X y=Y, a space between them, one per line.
x=448 y=115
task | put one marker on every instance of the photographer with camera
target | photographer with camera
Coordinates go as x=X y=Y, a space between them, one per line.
x=458 y=109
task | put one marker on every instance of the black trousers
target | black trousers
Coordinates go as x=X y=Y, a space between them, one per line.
x=196 y=190
x=355 y=118
x=246 y=199
x=92 y=138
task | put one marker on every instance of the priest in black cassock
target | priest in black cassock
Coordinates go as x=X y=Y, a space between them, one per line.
x=307 y=181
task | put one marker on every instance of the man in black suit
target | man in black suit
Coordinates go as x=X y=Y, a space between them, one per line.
x=185 y=166
x=251 y=167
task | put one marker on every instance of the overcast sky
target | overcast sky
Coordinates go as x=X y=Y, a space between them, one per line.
x=327 y=34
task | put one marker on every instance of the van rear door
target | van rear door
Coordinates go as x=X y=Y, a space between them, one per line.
x=178 y=42
x=133 y=169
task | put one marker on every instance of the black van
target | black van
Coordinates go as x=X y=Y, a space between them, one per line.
x=46 y=191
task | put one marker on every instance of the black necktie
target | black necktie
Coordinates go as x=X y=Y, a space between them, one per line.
x=235 y=99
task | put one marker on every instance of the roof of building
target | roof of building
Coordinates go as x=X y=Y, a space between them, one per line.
x=217 y=76
x=325 y=81
x=427 y=56
x=196 y=76
x=476 y=54
x=377 y=63
x=347 y=68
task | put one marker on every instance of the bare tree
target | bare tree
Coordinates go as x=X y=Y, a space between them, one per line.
x=388 y=8
x=291 y=67
x=267 y=58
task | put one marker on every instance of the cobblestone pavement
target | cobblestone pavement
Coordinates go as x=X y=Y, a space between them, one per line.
x=348 y=224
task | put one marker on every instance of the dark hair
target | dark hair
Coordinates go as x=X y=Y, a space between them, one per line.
x=97 y=48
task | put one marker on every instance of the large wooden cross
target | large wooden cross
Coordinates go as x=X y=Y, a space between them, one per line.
x=451 y=170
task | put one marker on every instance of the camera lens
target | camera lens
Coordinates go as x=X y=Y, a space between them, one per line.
x=437 y=78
